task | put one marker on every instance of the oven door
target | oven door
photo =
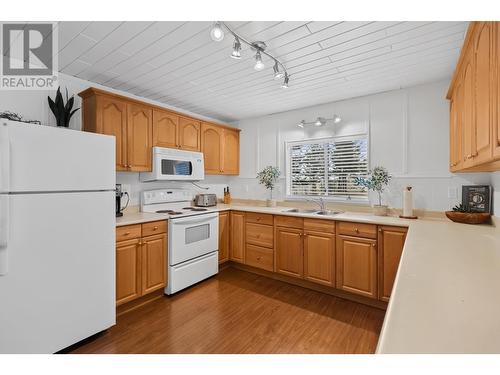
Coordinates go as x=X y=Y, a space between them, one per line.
x=192 y=236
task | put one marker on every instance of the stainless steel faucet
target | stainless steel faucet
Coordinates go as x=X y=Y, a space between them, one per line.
x=320 y=202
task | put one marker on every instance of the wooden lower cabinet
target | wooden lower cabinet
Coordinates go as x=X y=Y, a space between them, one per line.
x=390 y=247
x=224 y=229
x=289 y=252
x=141 y=262
x=319 y=258
x=237 y=253
x=357 y=265
x=260 y=257
x=128 y=279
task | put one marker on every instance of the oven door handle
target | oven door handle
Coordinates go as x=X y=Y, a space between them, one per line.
x=202 y=219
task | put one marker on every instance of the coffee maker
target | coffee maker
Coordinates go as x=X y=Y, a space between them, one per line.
x=118 y=196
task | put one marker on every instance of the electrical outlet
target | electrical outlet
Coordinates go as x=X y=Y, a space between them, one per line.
x=126 y=188
x=453 y=192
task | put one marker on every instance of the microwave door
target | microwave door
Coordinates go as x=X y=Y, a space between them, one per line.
x=176 y=168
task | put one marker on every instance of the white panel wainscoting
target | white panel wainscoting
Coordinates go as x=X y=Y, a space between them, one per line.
x=408 y=132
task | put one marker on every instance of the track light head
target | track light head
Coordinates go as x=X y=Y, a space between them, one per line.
x=301 y=124
x=236 y=49
x=259 y=65
x=276 y=70
x=320 y=121
x=284 y=85
x=216 y=33
x=336 y=119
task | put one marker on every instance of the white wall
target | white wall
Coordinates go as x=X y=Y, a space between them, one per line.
x=408 y=132
x=32 y=105
x=495 y=183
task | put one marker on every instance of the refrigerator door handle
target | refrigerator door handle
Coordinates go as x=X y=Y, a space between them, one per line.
x=4 y=158
x=4 y=233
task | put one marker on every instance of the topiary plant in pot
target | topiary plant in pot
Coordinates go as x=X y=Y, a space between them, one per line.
x=268 y=177
x=377 y=181
x=62 y=112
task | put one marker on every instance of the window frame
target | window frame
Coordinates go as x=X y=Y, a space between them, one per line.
x=288 y=176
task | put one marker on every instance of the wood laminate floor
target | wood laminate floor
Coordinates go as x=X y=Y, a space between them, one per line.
x=240 y=312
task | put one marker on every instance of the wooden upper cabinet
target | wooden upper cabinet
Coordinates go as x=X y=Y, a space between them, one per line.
x=237 y=240
x=482 y=127
x=390 y=247
x=469 y=143
x=189 y=134
x=212 y=144
x=231 y=154
x=357 y=265
x=319 y=258
x=224 y=236
x=496 y=95
x=456 y=128
x=112 y=120
x=139 y=136
x=289 y=252
x=165 y=129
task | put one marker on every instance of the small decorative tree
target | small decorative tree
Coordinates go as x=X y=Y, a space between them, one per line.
x=377 y=180
x=268 y=177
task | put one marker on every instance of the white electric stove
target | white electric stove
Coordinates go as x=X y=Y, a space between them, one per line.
x=193 y=236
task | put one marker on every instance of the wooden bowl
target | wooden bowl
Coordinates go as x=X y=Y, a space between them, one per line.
x=468 y=217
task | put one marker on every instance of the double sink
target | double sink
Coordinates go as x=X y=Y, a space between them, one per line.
x=313 y=212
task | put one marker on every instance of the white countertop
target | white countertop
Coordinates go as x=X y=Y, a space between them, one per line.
x=446 y=296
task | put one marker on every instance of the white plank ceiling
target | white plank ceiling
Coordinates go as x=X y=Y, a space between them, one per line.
x=177 y=63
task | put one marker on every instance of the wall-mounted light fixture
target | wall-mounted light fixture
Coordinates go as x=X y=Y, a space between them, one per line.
x=217 y=35
x=320 y=121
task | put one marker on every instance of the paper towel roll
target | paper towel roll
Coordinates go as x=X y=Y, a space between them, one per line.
x=408 y=202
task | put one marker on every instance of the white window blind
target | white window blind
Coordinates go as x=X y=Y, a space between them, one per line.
x=326 y=167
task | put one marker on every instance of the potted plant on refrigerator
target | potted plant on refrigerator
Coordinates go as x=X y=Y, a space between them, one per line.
x=377 y=180
x=268 y=177
x=62 y=111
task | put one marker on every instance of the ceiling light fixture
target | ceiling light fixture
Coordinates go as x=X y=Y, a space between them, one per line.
x=320 y=121
x=259 y=65
x=217 y=33
x=236 y=49
x=277 y=73
x=279 y=70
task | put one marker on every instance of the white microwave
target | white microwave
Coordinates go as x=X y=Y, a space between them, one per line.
x=175 y=165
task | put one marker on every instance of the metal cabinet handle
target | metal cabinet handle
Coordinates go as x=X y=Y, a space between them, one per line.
x=258 y=258
x=155 y=228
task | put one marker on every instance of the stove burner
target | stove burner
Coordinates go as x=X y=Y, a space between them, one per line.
x=188 y=208
x=194 y=209
x=171 y=212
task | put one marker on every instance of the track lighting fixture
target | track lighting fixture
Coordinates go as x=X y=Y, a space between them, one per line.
x=259 y=65
x=216 y=33
x=279 y=70
x=320 y=121
x=277 y=73
x=236 y=49
x=285 y=81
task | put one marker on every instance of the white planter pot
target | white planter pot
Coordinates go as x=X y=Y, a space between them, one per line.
x=379 y=210
x=271 y=202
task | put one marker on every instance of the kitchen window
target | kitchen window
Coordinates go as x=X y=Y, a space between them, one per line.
x=326 y=167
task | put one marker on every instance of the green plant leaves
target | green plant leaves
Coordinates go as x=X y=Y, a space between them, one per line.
x=62 y=112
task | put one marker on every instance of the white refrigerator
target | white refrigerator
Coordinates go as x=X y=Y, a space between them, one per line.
x=57 y=236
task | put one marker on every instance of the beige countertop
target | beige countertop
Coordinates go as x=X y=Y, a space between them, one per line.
x=446 y=293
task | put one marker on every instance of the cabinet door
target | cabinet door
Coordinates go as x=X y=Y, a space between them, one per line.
x=237 y=243
x=469 y=140
x=231 y=154
x=165 y=129
x=154 y=263
x=189 y=134
x=483 y=93
x=223 y=237
x=128 y=273
x=456 y=127
x=211 y=144
x=112 y=120
x=289 y=252
x=496 y=97
x=319 y=258
x=357 y=265
x=390 y=247
x=139 y=137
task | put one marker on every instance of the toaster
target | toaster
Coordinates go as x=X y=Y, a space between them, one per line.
x=205 y=200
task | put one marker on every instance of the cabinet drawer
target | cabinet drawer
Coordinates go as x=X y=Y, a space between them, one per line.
x=318 y=225
x=128 y=232
x=289 y=221
x=357 y=229
x=259 y=257
x=253 y=217
x=154 y=227
x=259 y=234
